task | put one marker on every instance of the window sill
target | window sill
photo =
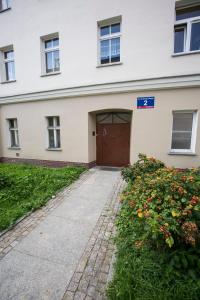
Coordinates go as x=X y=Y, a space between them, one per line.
x=182 y=153
x=110 y=64
x=186 y=53
x=4 y=10
x=14 y=148
x=54 y=149
x=8 y=81
x=50 y=74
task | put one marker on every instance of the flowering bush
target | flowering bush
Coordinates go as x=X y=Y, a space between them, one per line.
x=141 y=167
x=166 y=204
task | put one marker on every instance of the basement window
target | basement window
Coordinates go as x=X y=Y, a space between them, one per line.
x=14 y=135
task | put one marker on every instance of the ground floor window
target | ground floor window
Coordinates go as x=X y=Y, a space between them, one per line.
x=53 y=127
x=184 y=131
x=14 y=136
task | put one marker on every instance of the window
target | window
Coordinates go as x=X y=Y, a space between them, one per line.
x=13 y=129
x=9 y=63
x=109 y=43
x=184 y=131
x=51 y=55
x=187 y=29
x=4 y=4
x=53 y=126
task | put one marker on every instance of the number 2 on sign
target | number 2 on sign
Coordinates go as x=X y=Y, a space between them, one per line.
x=145 y=102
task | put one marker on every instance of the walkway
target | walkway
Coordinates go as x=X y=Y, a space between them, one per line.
x=63 y=251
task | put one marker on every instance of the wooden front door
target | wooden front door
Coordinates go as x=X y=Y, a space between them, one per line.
x=113 y=144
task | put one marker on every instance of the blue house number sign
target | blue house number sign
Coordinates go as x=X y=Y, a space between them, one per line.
x=145 y=102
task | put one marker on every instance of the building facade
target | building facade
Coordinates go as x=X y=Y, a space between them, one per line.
x=100 y=83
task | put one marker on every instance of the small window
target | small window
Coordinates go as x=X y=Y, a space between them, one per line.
x=110 y=43
x=183 y=131
x=9 y=63
x=51 y=55
x=53 y=127
x=4 y=4
x=14 y=136
x=187 y=30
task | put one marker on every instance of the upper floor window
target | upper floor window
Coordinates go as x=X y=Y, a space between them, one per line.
x=109 y=43
x=4 y=4
x=14 y=136
x=51 y=56
x=187 y=29
x=53 y=127
x=184 y=131
x=8 y=64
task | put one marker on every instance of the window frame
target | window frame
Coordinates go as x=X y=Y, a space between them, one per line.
x=187 y=22
x=4 y=61
x=193 y=133
x=44 y=50
x=55 y=128
x=110 y=36
x=8 y=5
x=14 y=129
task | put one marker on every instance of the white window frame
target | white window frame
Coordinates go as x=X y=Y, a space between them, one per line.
x=194 y=132
x=3 y=62
x=16 y=133
x=45 y=50
x=55 y=127
x=187 y=32
x=6 y=3
x=110 y=36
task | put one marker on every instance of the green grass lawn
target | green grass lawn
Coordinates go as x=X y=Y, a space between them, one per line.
x=24 y=188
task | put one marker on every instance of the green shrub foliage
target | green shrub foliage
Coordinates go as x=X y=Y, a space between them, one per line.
x=141 y=167
x=158 y=236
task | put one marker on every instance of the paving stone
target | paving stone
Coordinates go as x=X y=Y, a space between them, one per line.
x=79 y=296
x=68 y=296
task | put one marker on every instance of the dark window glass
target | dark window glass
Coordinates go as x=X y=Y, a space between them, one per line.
x=51 y=138
x=9 y=54
x=115 y=28
x=50 y=121
x=179 y=39
x=58 y=138
x=195 y=37
x=115 y=50
x=56 y=42
x=104 y=30
x=12 y=123
x=48 y=44
x=189 y=12
x=105 y=49
x=57 y=121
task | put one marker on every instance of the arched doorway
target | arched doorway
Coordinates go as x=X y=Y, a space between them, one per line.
x=113 y=138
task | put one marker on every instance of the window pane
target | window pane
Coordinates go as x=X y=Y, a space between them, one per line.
x=49 y=62
x=105 y=52
x=56 y=42
x=56 y=60
x=182 y=121
x=9 y=54
x=11 y=123
x=181 y=140
x=195 y=37
x=190 y=12
x=115 y=50
x=57 y=121
x=50 y=121
x=10 y=70
x=48 y=44
x=58 y=138
x=4 y=4
x=104 y=30
x=179 y=39
x=115 y=28
x=12 y=137
x=51 y=138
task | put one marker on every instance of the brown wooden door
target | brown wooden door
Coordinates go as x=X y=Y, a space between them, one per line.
x=113 y=144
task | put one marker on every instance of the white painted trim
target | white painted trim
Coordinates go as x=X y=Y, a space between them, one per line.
x=193 y=136
x=148 y=84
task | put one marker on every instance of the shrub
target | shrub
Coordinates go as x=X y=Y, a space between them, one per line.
x=158 y=236
x=141 y=167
